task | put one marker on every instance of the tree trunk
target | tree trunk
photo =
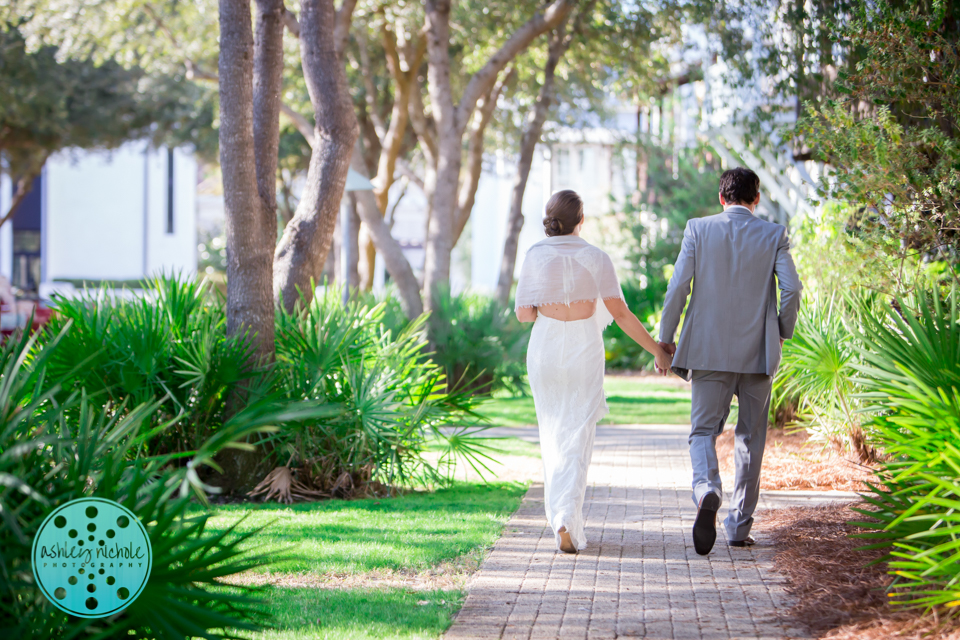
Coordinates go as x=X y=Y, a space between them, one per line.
x=468 y=190
x=24 y=185
x=351 y=244
x=528 y=143
x=303 y=248
x=397 y=265
x=267 y=84
x=443 y=199
x=245 y=128
x=451 y=121
x=249 y=259
x=388 y=162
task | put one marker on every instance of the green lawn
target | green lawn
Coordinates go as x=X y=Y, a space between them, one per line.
x=630 y=401
x=410 y=533
x=358 y=614
x=413 y=532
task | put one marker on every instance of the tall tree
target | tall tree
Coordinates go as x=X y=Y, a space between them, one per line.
x=302 y=250
x=452 y=119
x=389 y=96
x=559 y=43
x=249 y=239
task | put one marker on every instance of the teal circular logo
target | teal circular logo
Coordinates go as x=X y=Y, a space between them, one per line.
x=91 y=557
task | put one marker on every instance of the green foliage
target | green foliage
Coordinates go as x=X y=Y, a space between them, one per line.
x=654 y=225
x=818 y=367
x=837 y=256
x=911 y=380
x=839 y=261
x=53 y=451
x=481 y=346
x=52 y=103
x=169 y=346
x=353 y=400
x=389 y=400
x=892 y=141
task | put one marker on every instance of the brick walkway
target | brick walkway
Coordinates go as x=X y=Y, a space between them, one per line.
x=639 y=576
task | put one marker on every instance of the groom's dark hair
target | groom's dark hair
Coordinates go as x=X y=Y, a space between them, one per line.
x=739 y=186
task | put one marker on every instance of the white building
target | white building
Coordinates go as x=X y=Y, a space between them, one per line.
x=103 y=215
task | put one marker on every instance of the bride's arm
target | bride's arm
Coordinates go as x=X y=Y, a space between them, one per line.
x=632 y=326
x=527 y=314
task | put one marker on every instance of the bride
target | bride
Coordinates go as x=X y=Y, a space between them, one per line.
x=569 y=289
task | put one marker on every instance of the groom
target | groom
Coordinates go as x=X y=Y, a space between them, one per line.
x=730 y=344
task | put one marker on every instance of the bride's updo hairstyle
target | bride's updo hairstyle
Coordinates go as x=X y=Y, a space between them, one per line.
x=564 y=213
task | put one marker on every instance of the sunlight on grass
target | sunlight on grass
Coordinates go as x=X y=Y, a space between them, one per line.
x=358 y=614
x=507 y=446
x=630 y=402
x=416 y=531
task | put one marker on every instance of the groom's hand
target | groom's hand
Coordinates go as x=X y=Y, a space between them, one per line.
x=669 y=347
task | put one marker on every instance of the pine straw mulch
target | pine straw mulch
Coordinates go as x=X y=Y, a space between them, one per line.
x=838 y=597
x=791 y=461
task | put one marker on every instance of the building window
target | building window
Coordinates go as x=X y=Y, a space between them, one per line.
x=26 y=259
x=27 y=239
x=169 y=190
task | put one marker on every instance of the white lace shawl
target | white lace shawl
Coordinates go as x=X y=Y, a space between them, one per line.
x=568 y=269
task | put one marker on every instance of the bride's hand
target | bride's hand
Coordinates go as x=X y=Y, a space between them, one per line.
x=664 y=361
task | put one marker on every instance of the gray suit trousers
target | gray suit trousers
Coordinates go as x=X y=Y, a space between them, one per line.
x=712 y=393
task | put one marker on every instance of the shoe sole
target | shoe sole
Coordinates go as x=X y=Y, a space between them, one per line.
x=705 y=526
x=566 y=542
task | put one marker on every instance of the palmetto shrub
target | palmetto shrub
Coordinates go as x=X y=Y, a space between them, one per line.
x=387 y=401
x=910 y=378
x=55 y=448
x=361 y=398
x=818 y=371
x=169 y=347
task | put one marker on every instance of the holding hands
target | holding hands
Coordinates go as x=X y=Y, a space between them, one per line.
x=664 y=356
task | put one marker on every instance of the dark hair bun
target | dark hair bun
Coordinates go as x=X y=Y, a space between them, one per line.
x=564 y=211
x=552 y=226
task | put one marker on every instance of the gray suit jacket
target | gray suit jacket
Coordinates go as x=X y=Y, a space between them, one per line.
x=736 y=262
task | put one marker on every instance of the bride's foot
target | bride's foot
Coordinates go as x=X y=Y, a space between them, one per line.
x=566 y=543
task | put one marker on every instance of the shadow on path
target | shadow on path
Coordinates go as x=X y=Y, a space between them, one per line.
x=639 y=576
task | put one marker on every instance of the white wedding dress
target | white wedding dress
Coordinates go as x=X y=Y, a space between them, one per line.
x=565 y=365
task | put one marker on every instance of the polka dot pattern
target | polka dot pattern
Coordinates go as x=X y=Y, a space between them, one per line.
x=113 y=554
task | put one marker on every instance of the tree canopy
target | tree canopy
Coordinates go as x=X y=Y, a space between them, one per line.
x=54 y=102
x=890 y=131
